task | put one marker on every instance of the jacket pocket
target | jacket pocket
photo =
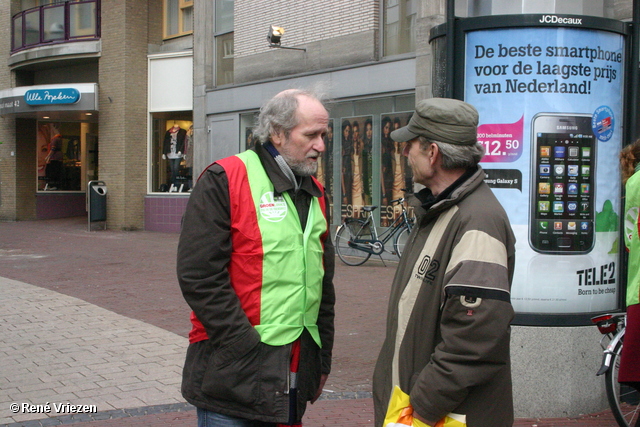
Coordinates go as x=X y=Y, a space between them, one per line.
x=232 y=372
x=248 y=373
x=274 y=375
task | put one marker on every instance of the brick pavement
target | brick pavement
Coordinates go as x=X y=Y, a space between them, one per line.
x=77 y=304
x=59 y=349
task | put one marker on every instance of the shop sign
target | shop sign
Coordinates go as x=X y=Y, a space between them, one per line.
x=52 y=96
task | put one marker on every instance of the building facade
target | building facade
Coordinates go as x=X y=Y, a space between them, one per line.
x=87 y=86
x=336 y=47
x=374 y=59
x=131 y=74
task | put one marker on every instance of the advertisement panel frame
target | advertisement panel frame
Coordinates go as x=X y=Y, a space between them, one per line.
x=466 y=26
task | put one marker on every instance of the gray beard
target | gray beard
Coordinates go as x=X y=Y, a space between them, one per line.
x=300 y=168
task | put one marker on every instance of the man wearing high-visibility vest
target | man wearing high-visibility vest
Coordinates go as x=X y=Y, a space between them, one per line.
x=255 y=264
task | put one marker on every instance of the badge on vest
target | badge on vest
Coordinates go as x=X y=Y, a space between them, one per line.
x=272 y=208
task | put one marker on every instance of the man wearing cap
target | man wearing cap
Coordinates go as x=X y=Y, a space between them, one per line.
x=447 y=335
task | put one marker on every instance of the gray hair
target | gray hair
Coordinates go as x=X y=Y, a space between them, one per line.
x=279 y=113
x=456 y=156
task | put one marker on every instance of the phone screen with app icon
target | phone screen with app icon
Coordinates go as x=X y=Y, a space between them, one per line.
x=562 y=186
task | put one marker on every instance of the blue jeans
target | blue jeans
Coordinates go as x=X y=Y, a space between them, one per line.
x=213 y=419
x=174 y=165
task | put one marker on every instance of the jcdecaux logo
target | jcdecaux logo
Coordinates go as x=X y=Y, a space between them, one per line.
x=553 y=19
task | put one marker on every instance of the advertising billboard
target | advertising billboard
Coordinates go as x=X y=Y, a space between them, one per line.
x=356 y=174
x=550 y=101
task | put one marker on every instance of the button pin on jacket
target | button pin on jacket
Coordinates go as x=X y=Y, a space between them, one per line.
x=470 y=302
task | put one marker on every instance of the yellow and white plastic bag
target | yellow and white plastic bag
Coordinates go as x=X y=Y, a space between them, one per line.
x=400 y=414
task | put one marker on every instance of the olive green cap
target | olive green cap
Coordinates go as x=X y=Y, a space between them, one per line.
x=441 y=119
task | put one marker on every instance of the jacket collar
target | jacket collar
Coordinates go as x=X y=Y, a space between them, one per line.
x=464 y=185
x=280 y=181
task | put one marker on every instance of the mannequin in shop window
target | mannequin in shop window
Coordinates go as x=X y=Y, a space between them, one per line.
x=173 y=149
x=54 y=169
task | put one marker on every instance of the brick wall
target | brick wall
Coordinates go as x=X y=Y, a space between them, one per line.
x=7 y=127
x=335 y=33
x=123 y=111
x=304 y=22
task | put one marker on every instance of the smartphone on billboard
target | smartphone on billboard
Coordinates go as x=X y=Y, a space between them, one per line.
x=562 y=215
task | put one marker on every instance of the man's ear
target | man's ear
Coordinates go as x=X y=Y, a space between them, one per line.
x=435 y=152
x=277 y=138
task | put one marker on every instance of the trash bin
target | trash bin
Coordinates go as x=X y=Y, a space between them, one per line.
x=97 y=202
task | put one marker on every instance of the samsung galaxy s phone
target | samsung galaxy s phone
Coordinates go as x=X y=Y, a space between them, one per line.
x=563 y=158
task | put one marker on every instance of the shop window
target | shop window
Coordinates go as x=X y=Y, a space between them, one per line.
x=326 y=163
x=361 y=164
x=399 y=26
x=172 y=152
x=357 y=157
x=178 y=18
x=394 y=168
x=248 y=122
x=67 y=155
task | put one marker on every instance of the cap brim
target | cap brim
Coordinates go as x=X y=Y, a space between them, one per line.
x=403 y=135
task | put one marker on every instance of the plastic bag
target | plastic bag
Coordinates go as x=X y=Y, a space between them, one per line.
x=400 y=414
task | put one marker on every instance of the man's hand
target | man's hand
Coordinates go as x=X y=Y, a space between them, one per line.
x=323 y=379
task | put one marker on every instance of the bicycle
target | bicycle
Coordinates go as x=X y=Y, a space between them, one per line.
x=358 y=239
x=623 y=400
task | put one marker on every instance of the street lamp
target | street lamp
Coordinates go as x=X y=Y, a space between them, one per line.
x=274 y=36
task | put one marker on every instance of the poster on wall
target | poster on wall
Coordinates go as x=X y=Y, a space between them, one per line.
x=395 y=172
x=356 y=173
x=325 y=162
x=550 y=105
x=249 y=138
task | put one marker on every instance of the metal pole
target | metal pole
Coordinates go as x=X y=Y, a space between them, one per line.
x=450 y=69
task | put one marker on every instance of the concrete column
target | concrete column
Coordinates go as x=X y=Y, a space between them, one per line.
x=203 y=78
x=431 y=14
x=554 y=371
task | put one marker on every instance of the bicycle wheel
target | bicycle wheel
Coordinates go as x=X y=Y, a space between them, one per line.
x=624 y=400
x=402 y=238
x=349 y=232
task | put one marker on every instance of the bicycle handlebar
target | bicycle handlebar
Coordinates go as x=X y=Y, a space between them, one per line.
x=401 y=199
